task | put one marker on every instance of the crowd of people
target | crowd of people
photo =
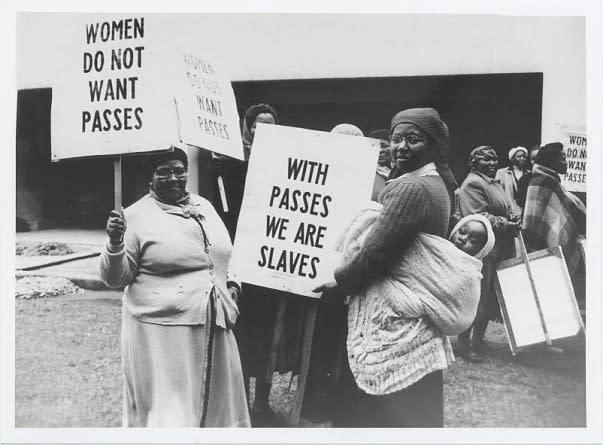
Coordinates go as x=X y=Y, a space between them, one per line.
x=418 y=267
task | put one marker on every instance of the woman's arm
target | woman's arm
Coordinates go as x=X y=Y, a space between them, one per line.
x=396 y=227
x=119 y=261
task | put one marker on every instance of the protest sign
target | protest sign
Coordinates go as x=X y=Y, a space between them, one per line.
x=207 y=109
x=556 y=306
x=302 y=189
x=112 y=97
x=574 y=143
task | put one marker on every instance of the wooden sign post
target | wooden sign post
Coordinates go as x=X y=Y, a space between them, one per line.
x=117 y=182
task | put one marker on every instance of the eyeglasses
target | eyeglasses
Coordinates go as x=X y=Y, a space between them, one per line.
x=166 y=173
x=410 y=139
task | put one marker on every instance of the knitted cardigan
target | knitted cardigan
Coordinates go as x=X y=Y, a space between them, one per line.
x=166 y=266
x=433 y=278
x=386 y=352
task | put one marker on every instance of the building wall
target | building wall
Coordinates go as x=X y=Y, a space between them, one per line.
x=326 y=68
x=294 y=46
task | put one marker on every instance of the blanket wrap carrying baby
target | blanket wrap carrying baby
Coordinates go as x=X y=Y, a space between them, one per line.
x=434 y=282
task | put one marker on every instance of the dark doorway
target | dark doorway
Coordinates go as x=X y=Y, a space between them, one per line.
x=502 y=110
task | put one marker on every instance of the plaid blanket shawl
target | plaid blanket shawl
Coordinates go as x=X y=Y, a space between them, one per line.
x=553 y=216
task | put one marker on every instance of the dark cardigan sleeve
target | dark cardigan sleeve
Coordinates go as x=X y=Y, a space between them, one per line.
x=396 y=227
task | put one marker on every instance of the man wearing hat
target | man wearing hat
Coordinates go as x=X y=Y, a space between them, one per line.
x=509 y=176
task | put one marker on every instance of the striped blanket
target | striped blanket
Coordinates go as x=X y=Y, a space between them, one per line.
x=553 y=216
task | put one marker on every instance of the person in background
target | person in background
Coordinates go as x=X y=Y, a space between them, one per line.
x=234 y=171
x=524 y=181
x=417 y=199
x=509 y=176
x=481 y=193
x=349 y=129
x=180 y=358
x=553 y=216
x=384 y=164
x=258 y=305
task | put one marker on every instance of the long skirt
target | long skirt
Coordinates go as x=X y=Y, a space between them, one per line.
x=421 y=405
x=181 y=376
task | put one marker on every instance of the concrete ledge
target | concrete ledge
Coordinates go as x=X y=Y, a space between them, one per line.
x=83 y=280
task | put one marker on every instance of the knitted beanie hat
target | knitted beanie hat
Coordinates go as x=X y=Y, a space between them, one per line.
x=428 y=120
x=160 y=158
x=516 y=150
x=490 y=239
x=349 y=129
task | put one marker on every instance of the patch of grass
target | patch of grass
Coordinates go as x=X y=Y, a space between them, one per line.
x=68 y=367
x=68 y=373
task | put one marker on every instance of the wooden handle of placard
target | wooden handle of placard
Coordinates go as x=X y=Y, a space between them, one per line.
x=308 y=333
x=117 y=183
x=526 y=261
x=277 y=335
x=222 y=194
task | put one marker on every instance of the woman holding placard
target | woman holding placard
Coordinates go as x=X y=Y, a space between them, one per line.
x=258 y=305
x=417 y=199
x=481 y=193
x=553 y=216
x=170 y=251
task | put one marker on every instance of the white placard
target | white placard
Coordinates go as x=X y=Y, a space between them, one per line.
x=574 y=144
x=207 y=109
x=114 y=95
x=302 y=189
x=555 y=293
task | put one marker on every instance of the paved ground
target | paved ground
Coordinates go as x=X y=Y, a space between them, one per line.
x=81 y=271
x=68 y=236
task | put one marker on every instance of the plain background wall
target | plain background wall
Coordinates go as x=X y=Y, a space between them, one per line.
x=304 y=46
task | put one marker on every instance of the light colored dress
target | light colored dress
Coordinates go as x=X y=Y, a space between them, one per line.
x=180 y=358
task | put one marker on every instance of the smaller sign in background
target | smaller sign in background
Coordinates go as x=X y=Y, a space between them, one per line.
x=574 y=144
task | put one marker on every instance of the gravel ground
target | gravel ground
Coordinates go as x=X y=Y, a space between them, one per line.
x=68 y=373
x=43 y=287
x=34 y=248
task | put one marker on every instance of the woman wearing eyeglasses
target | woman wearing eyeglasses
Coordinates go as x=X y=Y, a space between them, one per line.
x=393 y=376
x=170 y=251
x=481 y=193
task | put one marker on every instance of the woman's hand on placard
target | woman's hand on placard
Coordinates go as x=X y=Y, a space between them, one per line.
x=328 y=286
x=217 y=162
x=116 y=226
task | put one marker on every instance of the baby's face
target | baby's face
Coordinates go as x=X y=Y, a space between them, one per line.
x=471 y=237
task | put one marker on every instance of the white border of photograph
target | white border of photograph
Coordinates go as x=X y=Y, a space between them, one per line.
x=10 y=434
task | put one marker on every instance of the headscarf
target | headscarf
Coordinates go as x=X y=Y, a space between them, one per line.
x=548 y=154
x=349 y=129
x=429 y=120
x=249 y=118
x=515 y=150
x=480 y=153
x=157 y=159
x=382 y=133
x=490 y=238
